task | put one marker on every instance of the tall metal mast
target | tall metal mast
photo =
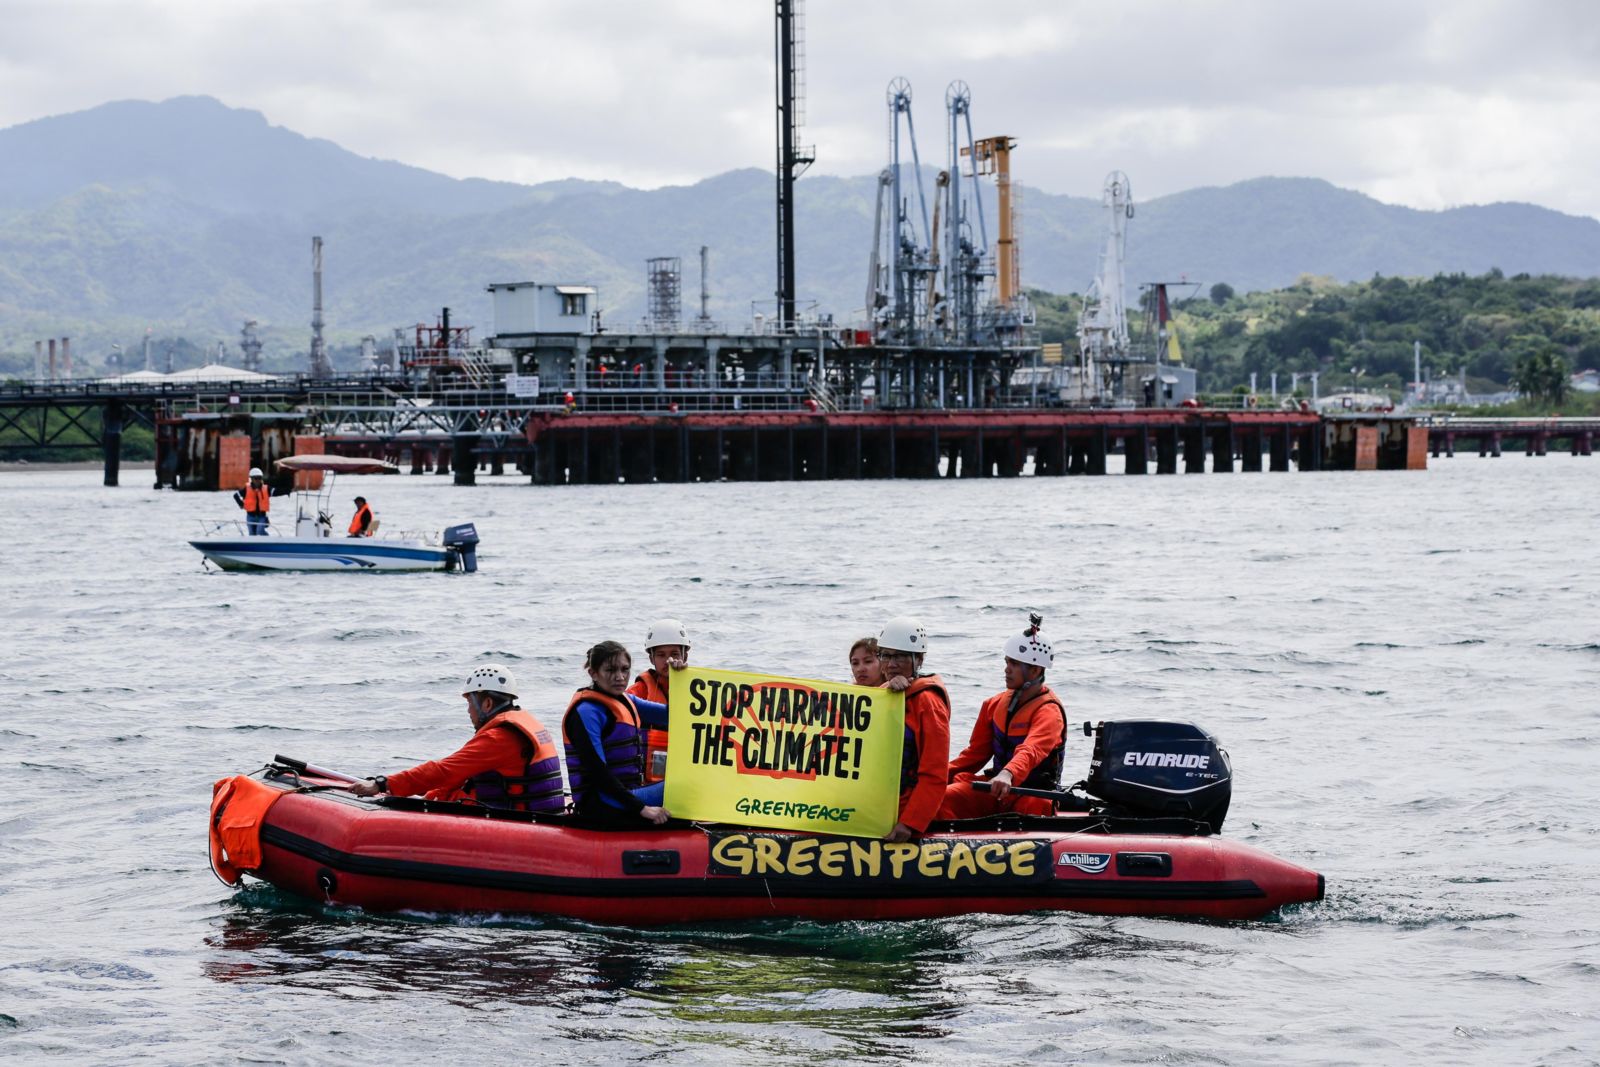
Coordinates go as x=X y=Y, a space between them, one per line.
x=792 y=158
x=965 y=258
x=250 y=345
x=705 y=287
x=908 y=248
x=1103 y=325
x=320 y=367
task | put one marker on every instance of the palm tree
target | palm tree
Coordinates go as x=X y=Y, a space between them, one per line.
x=1543 y=374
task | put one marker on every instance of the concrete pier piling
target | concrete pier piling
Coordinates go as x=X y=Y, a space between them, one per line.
x=111 y=441
x=601 y=449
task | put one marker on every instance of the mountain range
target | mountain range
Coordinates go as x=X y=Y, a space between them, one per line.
x=188 y=216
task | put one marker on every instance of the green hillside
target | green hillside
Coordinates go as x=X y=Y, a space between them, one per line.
x=1490 y=326
x=186 y=217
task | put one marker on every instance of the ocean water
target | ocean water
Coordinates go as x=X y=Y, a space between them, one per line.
x=1405 y=668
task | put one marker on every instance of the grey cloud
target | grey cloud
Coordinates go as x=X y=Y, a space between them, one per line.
x=651 y=93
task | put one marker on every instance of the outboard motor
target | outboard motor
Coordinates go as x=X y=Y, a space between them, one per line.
x=1156 y=768
x=462 y=541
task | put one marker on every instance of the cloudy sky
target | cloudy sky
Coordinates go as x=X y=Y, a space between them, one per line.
x=1429 y=104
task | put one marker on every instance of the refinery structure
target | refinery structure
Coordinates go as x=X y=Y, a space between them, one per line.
x=944 y=323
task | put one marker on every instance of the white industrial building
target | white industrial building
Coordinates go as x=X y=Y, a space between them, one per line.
x=525 y=308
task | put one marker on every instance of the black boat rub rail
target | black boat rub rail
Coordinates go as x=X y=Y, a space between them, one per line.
x=736 y=886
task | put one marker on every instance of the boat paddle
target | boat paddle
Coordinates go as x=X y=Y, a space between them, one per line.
x=302 y=767
x=1063 y=797
x=984 y=787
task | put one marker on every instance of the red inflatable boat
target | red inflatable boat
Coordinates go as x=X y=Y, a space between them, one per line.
x=307 y=836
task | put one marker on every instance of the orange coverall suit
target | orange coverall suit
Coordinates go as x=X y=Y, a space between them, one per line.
x=1035 y=733
x=926 y=752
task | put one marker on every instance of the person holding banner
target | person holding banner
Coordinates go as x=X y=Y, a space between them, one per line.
x=924 y=759
x=1022 y=729
x=604 y=735
x=864 y=666
x=666 y=644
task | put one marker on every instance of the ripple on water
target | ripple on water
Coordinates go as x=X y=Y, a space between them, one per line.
x=1404 y=910
x=87 y=969
x=1441 y=787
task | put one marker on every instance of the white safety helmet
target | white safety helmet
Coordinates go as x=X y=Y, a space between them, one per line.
x=903 y=634
x=666 y=632
x=1031 y=648
x=255 y=472
x=491 y=678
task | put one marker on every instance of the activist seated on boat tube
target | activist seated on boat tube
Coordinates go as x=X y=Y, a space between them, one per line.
x=926 y=755
x=511 y=761
x=361 y=522
x=1022 y=729
x=666 y=645
x=864 y=666
x=603 y=732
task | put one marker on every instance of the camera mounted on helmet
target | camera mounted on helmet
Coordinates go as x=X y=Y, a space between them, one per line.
x=1031 y=648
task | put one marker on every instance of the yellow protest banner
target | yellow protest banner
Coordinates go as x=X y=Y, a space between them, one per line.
x=786 y=753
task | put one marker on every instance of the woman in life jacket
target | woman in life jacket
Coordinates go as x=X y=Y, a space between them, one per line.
x=1021 y=732
x=923 y=761
x=511 y=761
x=603 y=732
x=864 y=666
x=666 y=645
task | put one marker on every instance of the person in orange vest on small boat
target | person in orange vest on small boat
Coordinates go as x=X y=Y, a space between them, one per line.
x=256 y=500
x=1022 y=730
x=864 y=666
x=666 y=644
x=603 y=733
x=361 y=521
x=511 y=761
x=923 y=760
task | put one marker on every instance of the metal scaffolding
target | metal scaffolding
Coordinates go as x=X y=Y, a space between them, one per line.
x=665 y=287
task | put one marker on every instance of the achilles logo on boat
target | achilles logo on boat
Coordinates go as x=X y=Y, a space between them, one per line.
x=1165 y=759
x=1087 y=862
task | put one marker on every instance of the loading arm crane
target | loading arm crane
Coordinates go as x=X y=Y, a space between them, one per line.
x=992 y=155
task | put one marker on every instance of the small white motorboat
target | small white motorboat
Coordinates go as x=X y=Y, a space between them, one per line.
x=312 y=545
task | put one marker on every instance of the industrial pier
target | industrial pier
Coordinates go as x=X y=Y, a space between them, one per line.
x=791 y=446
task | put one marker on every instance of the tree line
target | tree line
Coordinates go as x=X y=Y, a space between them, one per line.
x=1528 y=332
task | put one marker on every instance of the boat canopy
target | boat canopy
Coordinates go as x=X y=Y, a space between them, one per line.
x=338 y=464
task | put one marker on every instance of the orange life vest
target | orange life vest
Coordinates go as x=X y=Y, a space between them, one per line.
x=359 y=528
x=538 y=787
x=257 y=499
x=1008 y=733
x=648 y=687
x=238 y=806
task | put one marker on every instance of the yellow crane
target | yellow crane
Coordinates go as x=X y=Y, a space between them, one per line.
x=993 y=156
